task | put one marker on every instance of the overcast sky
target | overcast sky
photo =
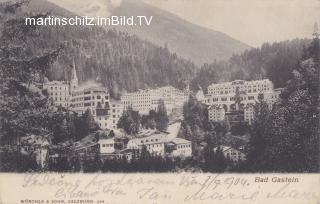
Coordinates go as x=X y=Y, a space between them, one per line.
x=251 y=21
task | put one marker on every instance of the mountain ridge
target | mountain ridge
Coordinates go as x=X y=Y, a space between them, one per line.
x=191 y=41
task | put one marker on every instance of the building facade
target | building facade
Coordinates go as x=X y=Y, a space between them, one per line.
x=106 y=146
x=95 y=99
x=116 y=111
x=216 y=112
x=237 y=98
x=146 y=100
x=155 y=144
x=59 y=92
x=160 y=144
x=232 y=154
x=181 y=147
x=90 y=97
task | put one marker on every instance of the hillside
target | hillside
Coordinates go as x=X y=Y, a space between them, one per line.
x=275 y=61
x=119 y=61
x=199 y=44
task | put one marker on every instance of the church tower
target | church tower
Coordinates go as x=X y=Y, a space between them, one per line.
x=74 y=79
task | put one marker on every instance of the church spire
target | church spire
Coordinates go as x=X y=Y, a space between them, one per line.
x=74 y=79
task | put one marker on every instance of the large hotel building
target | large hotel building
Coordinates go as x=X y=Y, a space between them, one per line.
x=93 y=98
x=235 y=100
x=146 y=100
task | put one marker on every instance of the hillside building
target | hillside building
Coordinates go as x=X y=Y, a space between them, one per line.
x=160 y=144
x=90 y=97
x=232 y=154
x=145 y=100
x=116 y=111
x=237 y=98
x=180 y=147
x=95 y=99
x=59 y=92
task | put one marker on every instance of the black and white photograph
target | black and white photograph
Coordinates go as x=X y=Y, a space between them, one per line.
x=160 y=86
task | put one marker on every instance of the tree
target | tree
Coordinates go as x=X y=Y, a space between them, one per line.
x=24 y=108
x=149 y=121
x=195 y=120
x=240 y=128
x=89 y=122
x=162 y=119
x=256 y=148
x=130 y=121
x=287 y=138
x=214 y=160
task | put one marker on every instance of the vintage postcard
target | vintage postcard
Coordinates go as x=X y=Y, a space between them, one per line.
x=159 y=101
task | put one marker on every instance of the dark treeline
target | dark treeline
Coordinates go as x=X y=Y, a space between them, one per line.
x=25 y=109
x=286 y=138
x=275 y=61
x=131 y=121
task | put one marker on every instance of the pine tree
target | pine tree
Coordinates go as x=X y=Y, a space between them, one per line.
x=162 y=119
x=130 y=121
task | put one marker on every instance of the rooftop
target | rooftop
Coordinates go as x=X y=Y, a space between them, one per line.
x=179 y=141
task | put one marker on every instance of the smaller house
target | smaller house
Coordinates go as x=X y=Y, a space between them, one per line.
x=232 y=154
x=107 y=146
x=155 y=144
x=112 y=149
x=180 y=147
x=37 y=144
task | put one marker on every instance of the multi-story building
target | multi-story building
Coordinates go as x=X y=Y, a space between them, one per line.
x=180 y=147
x=229 y=88
x=116 y=111
x=59 y=92
x=90 y=97
x=146 y=100
x=216 y=112
x=237 y=99
x=160 y=144
x=224 y=93
x=155 y=144
x=95 y=99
